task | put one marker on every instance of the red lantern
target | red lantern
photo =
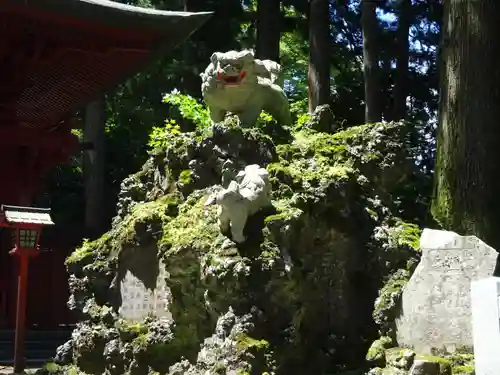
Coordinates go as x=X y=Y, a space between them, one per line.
x=26 y=224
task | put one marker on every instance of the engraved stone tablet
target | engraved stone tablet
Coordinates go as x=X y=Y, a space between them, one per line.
x=138 y=301
x=436 y=304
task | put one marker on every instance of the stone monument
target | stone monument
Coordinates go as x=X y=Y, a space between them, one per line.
x=436 y=302
x=485 y=299
x=139 y=301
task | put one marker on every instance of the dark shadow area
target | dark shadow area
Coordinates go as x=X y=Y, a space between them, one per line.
x=142 y=262
x=253 y=232
x=496 y=272
x=278 y=133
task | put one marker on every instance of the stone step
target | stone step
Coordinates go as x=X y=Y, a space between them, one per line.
x=46 y=354
x=37 y=334
x=30 y=363
x=33 y=343
x=40 y=346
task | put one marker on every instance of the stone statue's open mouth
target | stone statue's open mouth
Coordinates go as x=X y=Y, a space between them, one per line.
x=231 y=80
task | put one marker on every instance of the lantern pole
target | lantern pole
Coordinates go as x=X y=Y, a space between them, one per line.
x=22 y=287
x=23 y=254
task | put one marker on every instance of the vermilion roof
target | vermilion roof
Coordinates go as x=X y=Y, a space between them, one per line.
x=58 y=54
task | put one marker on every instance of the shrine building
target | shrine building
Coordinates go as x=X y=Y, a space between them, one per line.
x=56 y=56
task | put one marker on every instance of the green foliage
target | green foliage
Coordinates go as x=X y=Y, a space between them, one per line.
x=189 y=108
x=78 y=133
x=192 y=110
x=299 y=109
x=294 y=60
x=185 y=177
x=161 y=137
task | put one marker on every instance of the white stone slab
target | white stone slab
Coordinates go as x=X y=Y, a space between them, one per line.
x=485 y=295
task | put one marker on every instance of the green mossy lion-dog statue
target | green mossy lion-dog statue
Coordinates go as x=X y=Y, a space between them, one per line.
x=238 y=83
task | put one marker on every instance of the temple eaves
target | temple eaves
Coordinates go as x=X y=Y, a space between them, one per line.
x=70 y=51
x=115 y=14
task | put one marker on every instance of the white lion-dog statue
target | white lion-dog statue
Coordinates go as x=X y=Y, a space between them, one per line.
x=246 y=194
x=238 y=83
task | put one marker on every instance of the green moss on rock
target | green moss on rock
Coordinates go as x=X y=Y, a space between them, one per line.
x=376 y=353
x=195 y=226
x=400 y=257
x=449 y=364
x=463 y=370
x=245 y=342
x=401 y=358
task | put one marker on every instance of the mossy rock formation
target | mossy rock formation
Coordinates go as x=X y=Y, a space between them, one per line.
x=400 y=361
x=296 y=298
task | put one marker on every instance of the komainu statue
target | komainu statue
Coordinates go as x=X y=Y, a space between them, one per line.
x=238 y=83
x=246 y=194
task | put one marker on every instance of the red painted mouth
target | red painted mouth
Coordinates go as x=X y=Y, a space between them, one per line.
x=231 y=80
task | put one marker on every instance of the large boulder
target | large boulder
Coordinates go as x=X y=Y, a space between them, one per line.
x=297 y=295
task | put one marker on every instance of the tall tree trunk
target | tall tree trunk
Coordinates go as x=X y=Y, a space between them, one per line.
x=370 y=29
x=319 y=53
x=385 y=99
x=190 y=81
x=93 y=168
x=403 y=54
x=268 y=29
x=467 y=169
